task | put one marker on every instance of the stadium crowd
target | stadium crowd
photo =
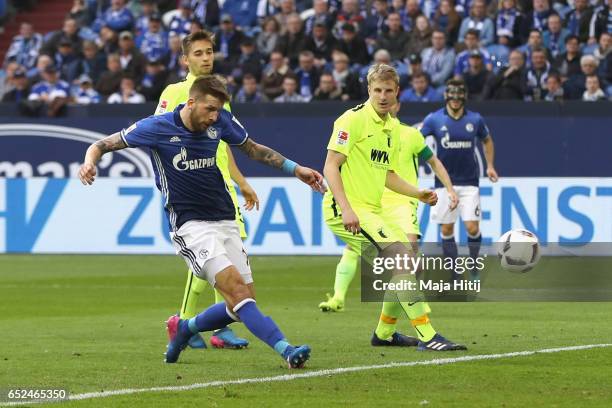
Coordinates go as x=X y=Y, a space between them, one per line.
x=119 y=51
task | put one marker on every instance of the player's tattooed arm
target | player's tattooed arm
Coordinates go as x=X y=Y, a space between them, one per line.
x=111 y=143
x=262 y=154
x=87 y=172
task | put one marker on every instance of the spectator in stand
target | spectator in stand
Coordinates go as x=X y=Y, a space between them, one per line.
x=111 y=78
x=292 y=42
x=93 y=62
x=228 y=42
x=601 y=22
x=510 y=25
x=249 y=92
x=345 y=80
x=249 y=62
x=290 y=94
x=410 y=12
x=537 y=75
x=321 y=15
x=574 y=87
x=51 y=92
x=117 y=17
x=69 y=31
x=511 y=82
x=535 y=41
x=447 y=20
x=471 y=43
x=25 y=47
x=81 y=13
x=554 y=38
x=6 y=77
x=154 y=80
x=578 y=20
x=429 y=7
x=307 y=75
x=396 y=40
x=206 y=13
x=420 y=90
x=35 y=74
x=415 y=66
x=20 y=87
x=320 y=43
x=108 y=41
x=349 y=13
x=537 y=19
x=420 y=37
x=85 y=94
x=178 y=74
x=603 y=55
x=180 y=24
x=376 y=23
x=67 y=61
x=554 y=90
x=438 y=60
x=243 y=12
x=327 y=90
x=132 y=60
x=568 y=63
x=593 y=90
x=353 y=45
x=287 y=8
x=149 y=7
x=273 y=76
x=153 y=43
x=267 y=8
x=476 y=76
x=127 y=93
x=269 y=37
x=172 y=60
x=479 y=21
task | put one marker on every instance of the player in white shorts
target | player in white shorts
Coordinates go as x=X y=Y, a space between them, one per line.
x=456 y=131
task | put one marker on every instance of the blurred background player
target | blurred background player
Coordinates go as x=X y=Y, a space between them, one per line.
x=456 y=131
x=198 y=55
x=200 y=211
x=361 y=160
x=400 y=208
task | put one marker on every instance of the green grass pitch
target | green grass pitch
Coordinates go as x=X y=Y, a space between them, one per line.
x=93 y=323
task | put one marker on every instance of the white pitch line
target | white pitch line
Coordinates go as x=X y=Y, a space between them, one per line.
x=321 y=373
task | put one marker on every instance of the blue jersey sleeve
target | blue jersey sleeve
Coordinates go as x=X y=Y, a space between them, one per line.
x=483 y=129
x=427 y=128
x=141 y=133
x=233 y=133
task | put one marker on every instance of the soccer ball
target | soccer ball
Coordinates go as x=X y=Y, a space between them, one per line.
x=518 y=250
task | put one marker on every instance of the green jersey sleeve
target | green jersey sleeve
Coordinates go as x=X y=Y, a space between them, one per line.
x=345 y=134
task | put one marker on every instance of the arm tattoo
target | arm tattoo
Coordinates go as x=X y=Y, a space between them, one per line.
x=111 y=143
x=262 y=154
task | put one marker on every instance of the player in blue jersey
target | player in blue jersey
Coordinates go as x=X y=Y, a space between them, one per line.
x=200 y=211
x=456 y=131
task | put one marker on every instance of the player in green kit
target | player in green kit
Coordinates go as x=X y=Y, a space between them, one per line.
x=400 y=208
x=362 y=157
x=198 y=55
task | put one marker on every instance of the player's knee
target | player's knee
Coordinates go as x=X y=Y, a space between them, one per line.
x=472 y=229
x=447 y=230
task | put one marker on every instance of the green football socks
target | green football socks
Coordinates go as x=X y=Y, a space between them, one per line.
x=345 y=272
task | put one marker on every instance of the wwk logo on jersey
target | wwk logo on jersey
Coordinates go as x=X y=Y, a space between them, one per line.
x=181 y=163
x=379 y=156
x=343 y=137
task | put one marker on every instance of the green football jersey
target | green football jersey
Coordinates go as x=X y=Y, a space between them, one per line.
x=371 y=147
x=411 y=147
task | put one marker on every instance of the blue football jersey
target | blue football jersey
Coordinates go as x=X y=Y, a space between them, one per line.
x=185 y=164
x=456 y=144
